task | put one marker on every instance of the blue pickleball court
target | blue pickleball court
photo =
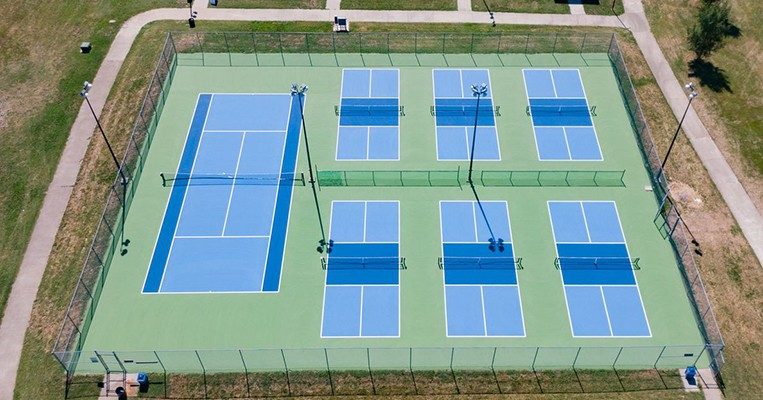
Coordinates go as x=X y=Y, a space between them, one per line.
x=560 y=115
x=455 y=107
x=362 y=291
x=481 y=287
x=369 y=115
x=600 y=284
x=229 y=236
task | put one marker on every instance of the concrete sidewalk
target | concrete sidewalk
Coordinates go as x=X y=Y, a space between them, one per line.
x=24 y=291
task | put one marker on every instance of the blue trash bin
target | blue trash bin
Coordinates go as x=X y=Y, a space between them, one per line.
x=142 y=382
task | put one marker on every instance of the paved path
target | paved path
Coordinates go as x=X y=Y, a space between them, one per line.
x=464 y=5
x=333 y=4
x=746 y=214
x=24 y=291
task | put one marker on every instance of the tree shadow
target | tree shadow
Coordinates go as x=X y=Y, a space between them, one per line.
x=709 y=75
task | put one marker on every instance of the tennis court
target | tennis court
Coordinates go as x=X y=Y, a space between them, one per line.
x=362 y=293
x=480 y=279
x=232 y=137
x=561 y=115
x=597 y=270
x=455 y=111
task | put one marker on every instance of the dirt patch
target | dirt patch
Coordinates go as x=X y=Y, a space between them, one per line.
x=685 y=194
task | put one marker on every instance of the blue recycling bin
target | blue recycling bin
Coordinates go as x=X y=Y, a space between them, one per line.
x=142 y=382
x=213 y=3
x=691 y=375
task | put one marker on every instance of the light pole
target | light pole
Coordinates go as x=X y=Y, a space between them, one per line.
x=299 y=91
x=477 y=91
x=192 y=19
x=84 y=93
x=692 y=94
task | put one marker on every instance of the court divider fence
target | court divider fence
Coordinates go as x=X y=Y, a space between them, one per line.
x=458 y=178
x=534 y=367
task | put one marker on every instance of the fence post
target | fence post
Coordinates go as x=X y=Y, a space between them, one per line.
x=370 y=374
x=203 y=372
x=492 y=368
x=227 y=49
x=574 y=369
x=659 y=356
x=201 y=47
x=286 y=370
x=410 y=368
x=328 y=370
x=246 y=372
x=254 y=48
x=582 y=45
x=280 y=48
x=453 y=374
x=164 y=370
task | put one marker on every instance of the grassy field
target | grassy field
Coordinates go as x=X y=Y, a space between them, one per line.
x=521 y=6
x=42 y=66
x=733 y=277
x=729 y=81
x=399 y=4
x=605 y=7
x=273 y=4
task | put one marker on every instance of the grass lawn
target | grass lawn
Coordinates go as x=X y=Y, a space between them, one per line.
x=399 y=4
x=605 y=7
x=521 y=6
x=729 y=82
x=272 y=4
x=40 y=59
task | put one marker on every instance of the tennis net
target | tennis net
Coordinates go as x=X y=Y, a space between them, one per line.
x=453 y=110
x=376 y=110
x=596 y=263
x=199 y=179
x=560 y=110
x=354 y=263
x=494 y=263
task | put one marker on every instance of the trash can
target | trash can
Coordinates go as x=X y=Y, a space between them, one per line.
x=142 y=382
x=121 y=393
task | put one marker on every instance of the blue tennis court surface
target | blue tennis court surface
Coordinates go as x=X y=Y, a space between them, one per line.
x=362 y=293
x=599 y=282
x=481 y=288
x=229 y=237
x=560 y=115
x=369 y=117
x=455 y=106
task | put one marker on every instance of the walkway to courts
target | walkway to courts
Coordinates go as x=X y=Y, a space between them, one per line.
x=19 y=307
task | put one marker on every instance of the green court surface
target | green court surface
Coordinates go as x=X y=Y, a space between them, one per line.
x=135 y=325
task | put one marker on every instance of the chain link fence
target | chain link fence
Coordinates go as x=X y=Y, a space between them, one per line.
x=108 y=235
x=531 y=369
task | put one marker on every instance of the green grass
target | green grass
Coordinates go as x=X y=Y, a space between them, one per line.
x=605 y=8
x=399 y=4
x=35 y=122
x=521 y=6
x=729 y=83
x=272 y=3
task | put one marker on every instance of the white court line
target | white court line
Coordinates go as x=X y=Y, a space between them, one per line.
x=606 y=310
x=223 y=237
x=185 y=193
x=233 y=186
x=282 y=159
x=484 y=314
x=169 y=197
x=360 y=312
x=566 y=143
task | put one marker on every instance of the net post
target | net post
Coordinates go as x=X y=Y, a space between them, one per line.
x=164 y=179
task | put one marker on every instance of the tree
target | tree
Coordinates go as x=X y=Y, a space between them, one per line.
x=710 y=29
